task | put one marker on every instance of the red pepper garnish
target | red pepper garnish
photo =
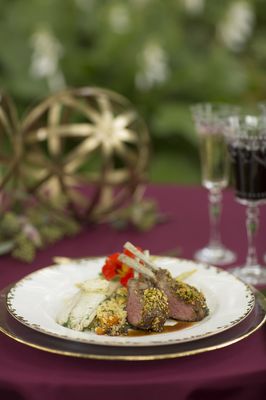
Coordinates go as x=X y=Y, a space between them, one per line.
x=114 y=268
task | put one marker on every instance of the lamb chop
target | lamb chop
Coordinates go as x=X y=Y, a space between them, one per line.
x=147 y=305
x=185 y=302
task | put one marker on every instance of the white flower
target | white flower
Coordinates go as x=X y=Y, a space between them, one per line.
x=237 y=25
x=119 y=18
x=194 y=6
x=153 y=66
x=47 y=51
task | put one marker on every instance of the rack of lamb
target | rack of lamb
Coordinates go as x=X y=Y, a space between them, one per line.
x=156 y=295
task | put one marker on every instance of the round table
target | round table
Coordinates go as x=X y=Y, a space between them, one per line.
x=234 y=372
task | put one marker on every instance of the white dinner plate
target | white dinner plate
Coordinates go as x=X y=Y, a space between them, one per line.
x=37 y=299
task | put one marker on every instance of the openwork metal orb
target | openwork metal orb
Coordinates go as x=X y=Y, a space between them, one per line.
x=88 y=146
x=10 y=142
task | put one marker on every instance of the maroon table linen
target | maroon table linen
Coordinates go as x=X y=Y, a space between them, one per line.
x=235 y=372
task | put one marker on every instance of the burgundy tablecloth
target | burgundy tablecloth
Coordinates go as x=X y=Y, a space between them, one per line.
x=235 y=372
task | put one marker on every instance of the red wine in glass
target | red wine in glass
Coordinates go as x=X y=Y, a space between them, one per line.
x=246 y=140
x=249 y=171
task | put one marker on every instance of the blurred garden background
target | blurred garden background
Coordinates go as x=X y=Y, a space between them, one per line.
x=163 y=55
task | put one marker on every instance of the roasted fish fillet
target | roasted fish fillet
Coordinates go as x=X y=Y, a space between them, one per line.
x=80 y=310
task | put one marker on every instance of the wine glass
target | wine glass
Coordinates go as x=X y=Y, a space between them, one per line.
x=209 y=121
x=262 y=107
x=246 y=139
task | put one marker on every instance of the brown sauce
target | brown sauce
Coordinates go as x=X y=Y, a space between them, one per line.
x=178 y=326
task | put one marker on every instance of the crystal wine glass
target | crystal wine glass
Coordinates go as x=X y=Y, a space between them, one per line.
x=262 y=107
x=209 y=121
x=246 y=139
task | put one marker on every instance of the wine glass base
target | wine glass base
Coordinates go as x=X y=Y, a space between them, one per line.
x=254 y=274
x=215 y=255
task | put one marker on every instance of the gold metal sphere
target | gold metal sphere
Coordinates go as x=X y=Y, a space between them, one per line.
x=89 y=146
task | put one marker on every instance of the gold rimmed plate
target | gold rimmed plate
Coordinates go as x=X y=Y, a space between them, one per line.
x=36 y=300
x=23 y=334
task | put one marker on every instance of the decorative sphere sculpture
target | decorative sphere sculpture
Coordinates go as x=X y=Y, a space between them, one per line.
x=88 y=146
x=10 y=143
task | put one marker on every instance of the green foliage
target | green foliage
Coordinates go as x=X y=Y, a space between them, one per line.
x=36 y=226
x=10 y=224
x=24 y=249
x=143 y=215
x=162 y=55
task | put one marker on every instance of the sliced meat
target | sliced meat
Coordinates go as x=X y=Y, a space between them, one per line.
x=185 y=302
x=147 y=306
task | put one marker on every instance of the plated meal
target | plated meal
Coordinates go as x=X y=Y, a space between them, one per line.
x=132 y=293
x=130 y=299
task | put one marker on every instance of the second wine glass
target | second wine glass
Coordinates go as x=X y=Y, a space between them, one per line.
x=209 y=121
x=246 y=138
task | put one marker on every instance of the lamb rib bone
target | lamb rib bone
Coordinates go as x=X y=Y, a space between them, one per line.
x=130 y=247
x=137 y=266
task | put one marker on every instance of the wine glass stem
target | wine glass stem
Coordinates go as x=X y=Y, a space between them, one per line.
x=215 y=208
x=252 y=224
